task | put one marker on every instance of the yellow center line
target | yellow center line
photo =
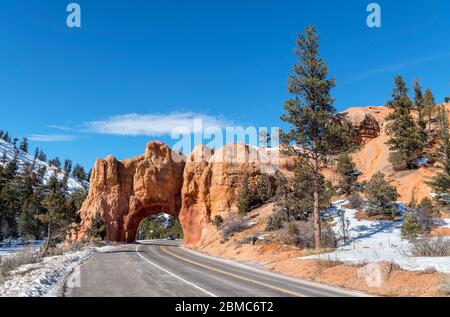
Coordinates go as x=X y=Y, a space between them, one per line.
x=233 y=275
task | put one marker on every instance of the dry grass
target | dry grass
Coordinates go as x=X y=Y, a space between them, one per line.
x=431 y=247
x=8 y=264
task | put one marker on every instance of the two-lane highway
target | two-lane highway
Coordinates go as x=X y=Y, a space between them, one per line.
x=165 y=268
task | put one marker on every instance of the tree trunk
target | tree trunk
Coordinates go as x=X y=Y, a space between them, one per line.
x=316 y=209
x=47 y=243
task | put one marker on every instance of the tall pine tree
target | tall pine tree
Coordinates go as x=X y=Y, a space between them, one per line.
x=441 y=181
x=406 y=141
x=311 y=115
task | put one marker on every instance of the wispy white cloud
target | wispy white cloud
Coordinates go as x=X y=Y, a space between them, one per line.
x=155 y=125
x=51 y=137
x=59 y=127
x=399 y=66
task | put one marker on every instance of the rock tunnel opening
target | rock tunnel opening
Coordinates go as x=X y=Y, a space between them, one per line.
x=159 y=226
x=151 y=213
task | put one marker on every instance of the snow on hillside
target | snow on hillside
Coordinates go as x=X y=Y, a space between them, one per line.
x=25 y=158
x=374 y=241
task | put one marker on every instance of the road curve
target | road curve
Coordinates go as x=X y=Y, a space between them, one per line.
x=165 y=268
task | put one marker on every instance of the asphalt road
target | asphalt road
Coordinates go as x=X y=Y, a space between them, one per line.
x=165 y=268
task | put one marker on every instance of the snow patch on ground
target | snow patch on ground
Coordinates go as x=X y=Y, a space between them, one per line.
x=47 y=278
x=375 y=241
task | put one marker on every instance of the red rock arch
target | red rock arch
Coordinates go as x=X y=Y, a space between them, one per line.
x=123 y=193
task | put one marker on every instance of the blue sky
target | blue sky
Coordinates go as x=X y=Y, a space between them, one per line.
x=225 y=61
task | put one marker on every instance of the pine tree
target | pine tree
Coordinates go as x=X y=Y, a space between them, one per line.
x=55 y=218
x=311 y=116
x=23 y=146
x=347 y=173
x=380 y=197
x=55 y=162
x=440 y=183
x=429 y=105
x=79 y=173
x=296 y=200
x=422 y=112
x=67 y=166
x=410 y=228
x=406 y=141
x=4 y=158
x=42 y=156
x=246 y=198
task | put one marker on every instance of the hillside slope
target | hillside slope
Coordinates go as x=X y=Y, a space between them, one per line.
x=373 y=158
x=27 y=159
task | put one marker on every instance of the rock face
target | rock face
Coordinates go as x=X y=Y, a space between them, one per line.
x=212 y=182
x=125 y=192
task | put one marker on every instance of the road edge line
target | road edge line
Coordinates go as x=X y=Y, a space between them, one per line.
x=174 y=275
x=243 y=278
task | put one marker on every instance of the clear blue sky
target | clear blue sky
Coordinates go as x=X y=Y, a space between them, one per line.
x=224 y=60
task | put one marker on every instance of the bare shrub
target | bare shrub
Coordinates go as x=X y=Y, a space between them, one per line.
x=11 y=263
x=323 y=264
x=276 y=220
x=233 y=223
x=431 y=247
x=250 y=239
x=356 y=200
x=301 y=234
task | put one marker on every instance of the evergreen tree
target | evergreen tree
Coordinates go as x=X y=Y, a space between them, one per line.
x=23 y=146
x=55 y=162
x=67 y=166
x=347 y=173
x=56 y=217
x=429 y=105
x=42 y=156
x=246 y=198
x=79 y=173
x=265 y=188
x=296 y=200
x=6 y=137
x=380 y=197
x=422 y=112
x=4 y=159
x=440 y=183
x=406 y=141
x=410 y=228
x=29 y=226
x=311 y=115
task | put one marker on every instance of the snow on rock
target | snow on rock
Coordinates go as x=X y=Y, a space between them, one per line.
x=25 y=158
x=375 y=241
x=43 y=279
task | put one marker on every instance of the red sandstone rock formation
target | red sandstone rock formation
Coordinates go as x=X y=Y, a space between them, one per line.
x=125 y=192
x=212 y=182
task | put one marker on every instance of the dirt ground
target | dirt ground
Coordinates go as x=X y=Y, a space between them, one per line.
x=384 y=278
